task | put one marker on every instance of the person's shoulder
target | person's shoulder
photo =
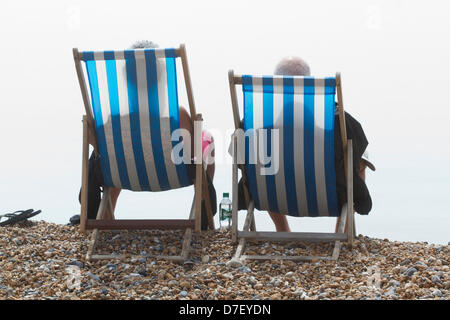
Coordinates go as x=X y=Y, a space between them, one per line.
x=351 y=121
x=349 y=116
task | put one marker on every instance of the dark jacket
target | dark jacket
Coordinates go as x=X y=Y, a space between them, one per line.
x=361 y=196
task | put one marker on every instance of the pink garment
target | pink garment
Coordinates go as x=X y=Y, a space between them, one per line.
x=207 y=139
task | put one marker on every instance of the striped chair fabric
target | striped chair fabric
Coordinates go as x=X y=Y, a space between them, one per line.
x=135 y=105
x=302 y=109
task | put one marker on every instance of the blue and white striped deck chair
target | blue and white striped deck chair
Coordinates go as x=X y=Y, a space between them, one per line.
x=131 y=112
x=288 y=162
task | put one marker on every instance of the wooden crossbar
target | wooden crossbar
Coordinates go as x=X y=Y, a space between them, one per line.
x=178 y=52
x=292 y=236
x=291 y=258
x=177 y=259
x=135 y=224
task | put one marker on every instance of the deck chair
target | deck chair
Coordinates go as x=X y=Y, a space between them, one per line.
x=294 y=118
x=131 y=112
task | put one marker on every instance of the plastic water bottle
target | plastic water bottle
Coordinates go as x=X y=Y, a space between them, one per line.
x=225 y=212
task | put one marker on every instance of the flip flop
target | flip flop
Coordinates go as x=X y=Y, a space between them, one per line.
x=18 y=216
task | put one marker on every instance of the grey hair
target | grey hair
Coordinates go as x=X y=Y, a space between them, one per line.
x=292 y=66
x=144 y=44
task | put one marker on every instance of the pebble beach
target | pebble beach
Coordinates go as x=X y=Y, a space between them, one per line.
x=40 y=260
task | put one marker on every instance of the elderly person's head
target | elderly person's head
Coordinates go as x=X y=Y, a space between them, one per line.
x=144 y=44
x=292 y=66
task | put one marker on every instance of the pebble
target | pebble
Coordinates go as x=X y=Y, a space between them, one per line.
x=48 y=253
x=408 y=285
x=405 y=262
x=391 y=291
x=228 y=276
x=161 y=275
x=275 y=296
x=395 y=283
x=290 y=274
x=437 y=293
x=435 y=279
x=407 y=270
x=258 y=286
x=299 y=293
x=77 y=263
x=142 y=272
x=233 y=263
x=245 y=269
x=183 y=293
x=134 y=275
x=116 y=237
x=111 y=267
x=420 y=265
x=93 y=276
x=399 y=269
x=410 y=271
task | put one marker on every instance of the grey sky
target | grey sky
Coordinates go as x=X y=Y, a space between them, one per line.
x=393 y=56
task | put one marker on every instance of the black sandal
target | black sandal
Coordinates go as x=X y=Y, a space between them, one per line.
x=18 y=216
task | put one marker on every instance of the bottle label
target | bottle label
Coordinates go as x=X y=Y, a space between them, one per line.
x=225 y=214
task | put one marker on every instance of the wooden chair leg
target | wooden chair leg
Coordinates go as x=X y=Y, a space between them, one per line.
x=253 y=224
x=84 y=176
x=100 y=215
x=187 y=236
x=199 y=171
x=350 y=214
x=186 y=244
x=338 y=221
x=111 y=210
x=248 y=219
x=235 y=205
x=340 y=228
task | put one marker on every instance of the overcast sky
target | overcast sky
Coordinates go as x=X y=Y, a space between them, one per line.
x=393 y=56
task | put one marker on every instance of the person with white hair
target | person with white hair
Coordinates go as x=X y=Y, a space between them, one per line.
x=295 y=66
x=185 y=123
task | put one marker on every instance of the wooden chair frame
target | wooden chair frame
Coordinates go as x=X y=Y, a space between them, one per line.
x=345 y=230
x=200 y=184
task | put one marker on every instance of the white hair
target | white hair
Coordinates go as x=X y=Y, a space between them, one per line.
x=144 y=44
x=292 y=66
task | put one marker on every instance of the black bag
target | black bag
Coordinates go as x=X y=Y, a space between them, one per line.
x=95 y=182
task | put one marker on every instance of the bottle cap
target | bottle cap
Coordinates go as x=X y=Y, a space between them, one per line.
x=226 y=195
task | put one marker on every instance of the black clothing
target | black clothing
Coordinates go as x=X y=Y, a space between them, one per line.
x=361 y=196
x=95 y=182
